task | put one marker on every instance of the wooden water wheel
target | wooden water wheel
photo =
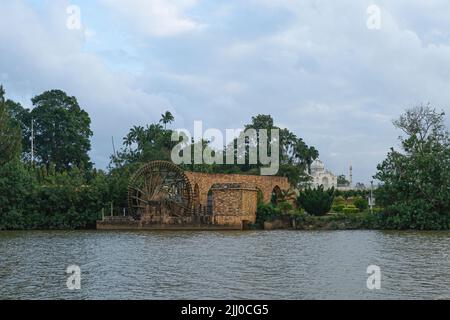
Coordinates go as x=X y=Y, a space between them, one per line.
x=160 y=187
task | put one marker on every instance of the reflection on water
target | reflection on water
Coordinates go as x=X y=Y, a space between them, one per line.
x=225 y=265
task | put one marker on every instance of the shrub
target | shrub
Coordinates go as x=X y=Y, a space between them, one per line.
x=338 y=207
x=339 y=200
x=316 y=201
x=266 y=212
x=350 y=209
x=418 y=214
x=361 y=203
x=285 y=206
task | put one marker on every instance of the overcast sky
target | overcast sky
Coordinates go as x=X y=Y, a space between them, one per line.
x=315 y=66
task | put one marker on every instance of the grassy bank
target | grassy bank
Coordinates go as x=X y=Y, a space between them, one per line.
x=349 y=217
x=338 y=221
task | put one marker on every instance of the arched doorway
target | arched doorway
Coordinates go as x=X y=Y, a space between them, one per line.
x=259 y=196
x=276 y=194
x=209 y=202
x=196 y=196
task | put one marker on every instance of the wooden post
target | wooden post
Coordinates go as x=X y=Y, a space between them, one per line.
x=111 y=209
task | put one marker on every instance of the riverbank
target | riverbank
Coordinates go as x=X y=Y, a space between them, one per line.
x=336 y=221
x=333 y=221
x=293 y=221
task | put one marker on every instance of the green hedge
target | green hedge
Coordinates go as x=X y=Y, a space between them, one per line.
x=316 y=201
x=350 y=209
x=338 y=207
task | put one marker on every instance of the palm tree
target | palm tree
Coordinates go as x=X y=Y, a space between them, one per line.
x=166 y=118
x=134 y=136
x=287 y=195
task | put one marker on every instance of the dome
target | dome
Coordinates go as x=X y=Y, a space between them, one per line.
x=317 y=165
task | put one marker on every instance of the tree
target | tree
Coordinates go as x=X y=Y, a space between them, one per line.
x=144 y=144
x=10 y=137
x=62 y=131
x=360 y=203
x=286 y=196
x=415 y=188
x=16 y=188
x=360 y=186
x=341 y=180
x=295 y=155
x=166 y=118
x=317 y=201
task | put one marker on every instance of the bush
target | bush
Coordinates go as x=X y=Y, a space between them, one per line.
x=266 y=212
x=338 y=207
x=285 y=206
x=361 y=203
x=418 y=214
x=316 y=201
x=39 y=198
x=339 y=200
x=350 y=209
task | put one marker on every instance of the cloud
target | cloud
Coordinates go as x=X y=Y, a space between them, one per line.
x=41 y=54
x=160 y=18
x=321 y=72
x=313 y=65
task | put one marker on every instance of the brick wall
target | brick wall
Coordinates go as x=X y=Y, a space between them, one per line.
x=205 y=181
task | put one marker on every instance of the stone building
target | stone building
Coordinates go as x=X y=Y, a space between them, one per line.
x=265 y=185
x=322 y=176
x=234 y=204
x=161 y=196
x=232 y=199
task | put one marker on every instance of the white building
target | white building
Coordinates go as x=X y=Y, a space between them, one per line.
x=322 y=176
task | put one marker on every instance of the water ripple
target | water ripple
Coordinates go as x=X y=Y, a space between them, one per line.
x=225 y=265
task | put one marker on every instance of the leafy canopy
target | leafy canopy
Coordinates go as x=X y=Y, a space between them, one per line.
x=415 y=189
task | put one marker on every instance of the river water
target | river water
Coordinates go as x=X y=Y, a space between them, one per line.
x=225 y=265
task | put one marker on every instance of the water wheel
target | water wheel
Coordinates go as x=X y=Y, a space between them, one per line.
x=159 y=188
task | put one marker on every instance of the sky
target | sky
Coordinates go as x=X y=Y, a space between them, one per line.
x=336 y=73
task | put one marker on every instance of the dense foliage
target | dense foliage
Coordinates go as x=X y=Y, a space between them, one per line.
x=361 y=203
x=37 y=198
x=61 y=130
x=10 y=138
x=266 y=212
x=296 y=156
x=416 y=180
x=316 y=201
x=62 y=189
x=342 y=180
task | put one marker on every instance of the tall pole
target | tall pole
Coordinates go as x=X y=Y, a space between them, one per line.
x=32 y=141
x=113 y=146
x=351 y=176
x=371 y=196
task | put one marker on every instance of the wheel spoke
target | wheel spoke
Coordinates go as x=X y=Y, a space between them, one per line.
x=160 y=183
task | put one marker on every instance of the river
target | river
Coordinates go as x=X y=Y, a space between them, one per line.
x=225 y=265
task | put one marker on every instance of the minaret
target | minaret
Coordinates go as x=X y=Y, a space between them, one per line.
x=32 y=141
x=351 y=176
